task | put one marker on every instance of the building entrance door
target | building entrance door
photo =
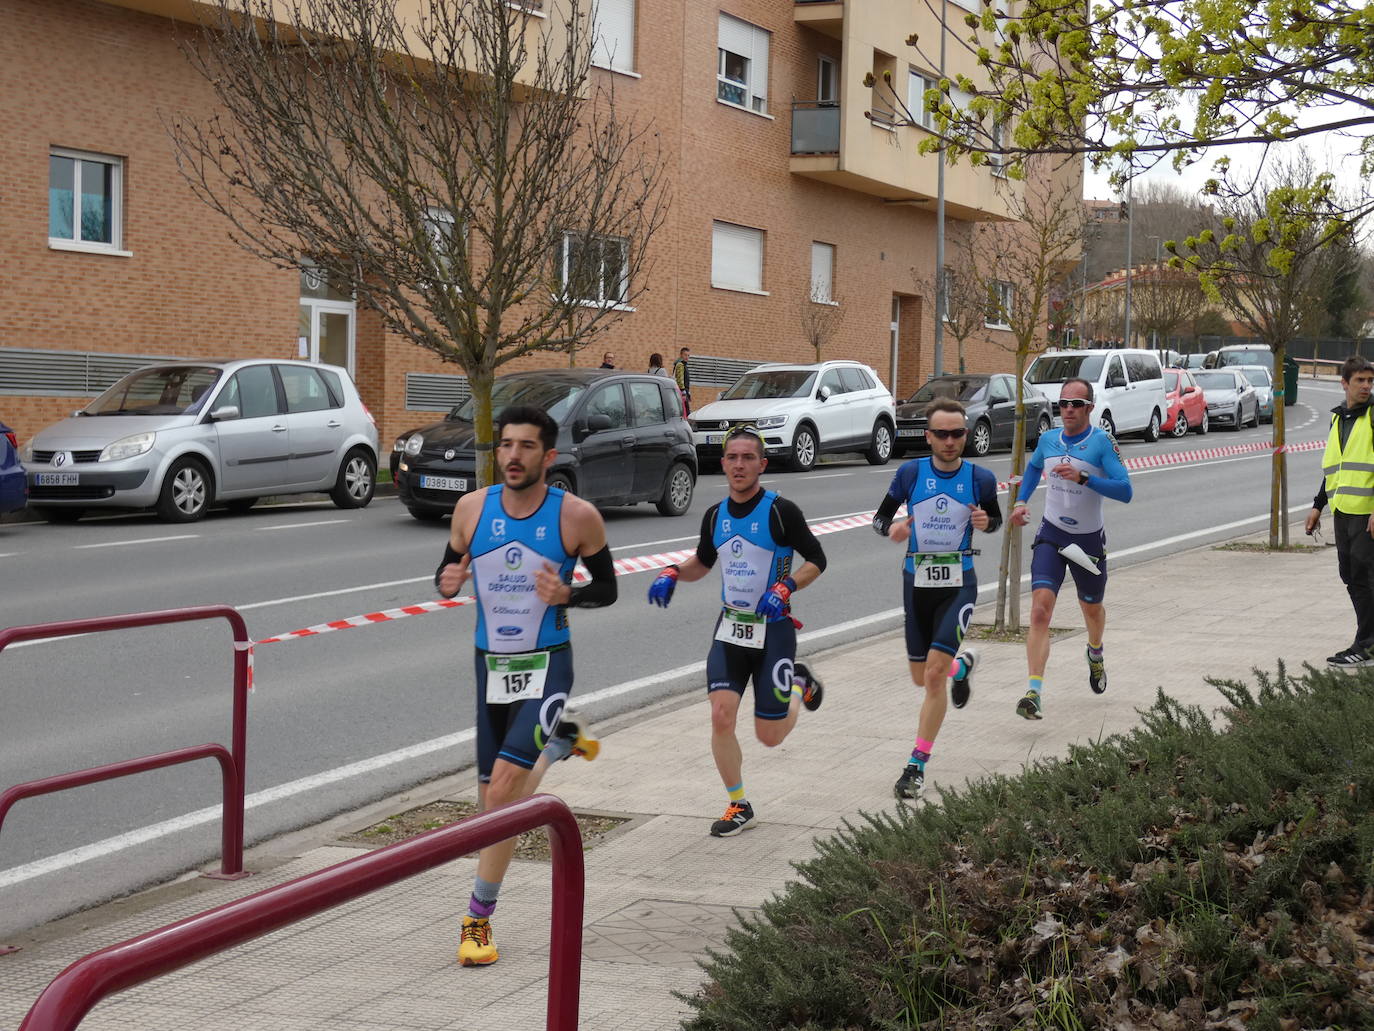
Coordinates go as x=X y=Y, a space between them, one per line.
x=327 y=320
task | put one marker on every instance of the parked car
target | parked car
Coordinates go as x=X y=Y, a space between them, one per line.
x=182 y=436
x=1195 y=361
x=803 y=411
x=1231 y=399
x=1187 y=404
x=1241 y=354
x=1263 y=383
x=622 y=439
x=989 y=401
x=1128 y=386
x=14 y=485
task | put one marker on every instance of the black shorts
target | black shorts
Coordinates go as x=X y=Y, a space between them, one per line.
x=517 y=732
x=937 y=617
x=730 y=667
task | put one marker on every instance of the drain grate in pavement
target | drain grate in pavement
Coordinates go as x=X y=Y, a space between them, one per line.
x=660 y=932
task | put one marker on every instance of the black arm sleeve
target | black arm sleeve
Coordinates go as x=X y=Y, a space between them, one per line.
x=791 y=529
x=1319 y=501
x=988 y=503
x=706 y=547
x=601 y=590
x=450 y=556
x=882 y=519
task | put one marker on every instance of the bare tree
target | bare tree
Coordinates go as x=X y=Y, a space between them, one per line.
x=966 y=299
x=820 y=319
x=457 y=168
x=1268 y=258
x=1164 y=299
x=1026 y=264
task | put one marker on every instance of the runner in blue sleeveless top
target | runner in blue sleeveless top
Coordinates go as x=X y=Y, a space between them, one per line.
x=946 y=500
x=1084 y=466
x=518 y=542
x=757 y=535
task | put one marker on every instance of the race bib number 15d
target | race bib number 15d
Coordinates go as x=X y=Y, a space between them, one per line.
x=939 y=570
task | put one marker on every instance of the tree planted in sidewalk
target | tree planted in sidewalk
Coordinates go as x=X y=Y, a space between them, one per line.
x=965 y=293
x=455 y=164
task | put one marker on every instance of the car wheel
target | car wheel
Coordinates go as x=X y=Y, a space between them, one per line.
x=1042 y=426
x=1151 y=433
x=980 y=440
x=357 y=480
x=185 y=492
x=60 y=515
x=1238 y=422
x=562 y=481
x=677 y=491
x=1205 y=424
x=1181 y=424
x=804 y=447
x=880 y=450
x=1105 y=421
x=241 y=505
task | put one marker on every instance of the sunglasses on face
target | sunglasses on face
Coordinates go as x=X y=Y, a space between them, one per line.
x=947 y=434
x=1074 y=402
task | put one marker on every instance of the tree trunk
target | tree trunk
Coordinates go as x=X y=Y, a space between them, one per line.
x=1278 y=502
x=1003 y=572
x=480 y=379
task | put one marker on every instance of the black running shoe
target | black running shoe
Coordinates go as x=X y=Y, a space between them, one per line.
x=910 y=783
x=1029 y=706
x=961 y=687
x=1351 y=658
x=1097 y=673
x=737 y=817
x=1339 y=658
x=813 y=691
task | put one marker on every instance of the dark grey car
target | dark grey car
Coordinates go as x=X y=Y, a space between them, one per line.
x=622 y=439
x=989 y=400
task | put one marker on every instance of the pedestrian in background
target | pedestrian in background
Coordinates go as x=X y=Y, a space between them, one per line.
x=682 y=375
x=656 y=365
x=1348 y=483
x=608 y=360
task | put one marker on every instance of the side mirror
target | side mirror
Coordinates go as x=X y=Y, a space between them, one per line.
x=598 y=422
x=823 y=393
x=224 y=413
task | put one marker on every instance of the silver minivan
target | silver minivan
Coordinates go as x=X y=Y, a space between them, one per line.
x=181 y=436
x=1128 y=386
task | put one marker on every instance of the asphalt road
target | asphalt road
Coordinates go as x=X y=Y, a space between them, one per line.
x=342 y=718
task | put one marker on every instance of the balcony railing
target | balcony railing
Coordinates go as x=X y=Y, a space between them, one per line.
x=815 y=127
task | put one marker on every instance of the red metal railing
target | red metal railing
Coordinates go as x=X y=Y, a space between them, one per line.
x=73 y=993
x=231 y=761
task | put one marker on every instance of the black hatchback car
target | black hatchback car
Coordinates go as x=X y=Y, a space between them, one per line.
x=990 y=408
x=622 y=439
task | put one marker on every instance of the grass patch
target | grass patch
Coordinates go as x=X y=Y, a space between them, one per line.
x=1263 y=546
x=1178 y=876
x=1008 y=635
x=532 y=845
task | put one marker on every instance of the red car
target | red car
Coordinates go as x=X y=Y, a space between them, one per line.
x=1187 y=406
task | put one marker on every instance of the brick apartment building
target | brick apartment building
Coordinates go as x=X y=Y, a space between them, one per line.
x=781 y=170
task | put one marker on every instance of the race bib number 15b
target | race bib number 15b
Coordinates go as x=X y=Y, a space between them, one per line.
x=742 y=628
x=514 y=678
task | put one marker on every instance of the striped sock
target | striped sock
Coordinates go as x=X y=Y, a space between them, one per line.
x=920 y=755
x=1037 y=682
x=736 y=793
x=1095 y=652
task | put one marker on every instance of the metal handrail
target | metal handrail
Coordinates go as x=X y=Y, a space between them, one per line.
x=74 y=992
x=231 y=761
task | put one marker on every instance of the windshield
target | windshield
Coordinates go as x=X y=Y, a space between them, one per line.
x=554 y=396
x=1246 y=356
x=960 y=388
x=774 y=383
x=1056 y=368
x=1259 y=377
x=161 y=390
x=1170 y=382
x=1216 y=381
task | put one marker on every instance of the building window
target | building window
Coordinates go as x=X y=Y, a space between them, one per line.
x=742 y=64
x=595 y=269
x=946 y=287
x=827 y=81
x=442 y=228
x=997 y=160
x=736 y=257
x=917 y=85
x=822 y=272
x=615 y=35
x=1001 y=297
x=84 y=193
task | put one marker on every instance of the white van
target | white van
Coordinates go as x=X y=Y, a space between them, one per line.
x=1128 y=386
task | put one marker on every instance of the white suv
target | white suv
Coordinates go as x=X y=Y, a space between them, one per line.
x=803 y=411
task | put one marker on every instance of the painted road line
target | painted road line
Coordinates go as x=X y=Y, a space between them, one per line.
x=301 y=526
x=141 y=540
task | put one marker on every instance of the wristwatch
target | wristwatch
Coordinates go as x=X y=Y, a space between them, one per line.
x=1082 y=478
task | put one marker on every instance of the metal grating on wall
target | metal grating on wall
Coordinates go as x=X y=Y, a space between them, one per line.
x=29 y=372
x=717 y=372
x=435 y=391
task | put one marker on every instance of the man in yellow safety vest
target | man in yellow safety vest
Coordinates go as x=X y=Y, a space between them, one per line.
x=1348 y=483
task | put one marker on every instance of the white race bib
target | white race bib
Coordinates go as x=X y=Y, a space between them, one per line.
x=742 y=628
x=939 y=570
x=515 y=678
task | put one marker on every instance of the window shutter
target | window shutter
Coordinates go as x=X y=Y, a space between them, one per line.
x=615 y=34
x=758 y=74
x=822 y=271
x=736 y=257
x=736 y=36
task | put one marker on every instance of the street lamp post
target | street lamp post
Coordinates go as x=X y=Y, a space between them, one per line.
x=938 y=357
x=1154 y=333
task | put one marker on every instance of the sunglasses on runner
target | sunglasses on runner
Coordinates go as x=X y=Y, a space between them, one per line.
x=1074 y=402
x=947 y=434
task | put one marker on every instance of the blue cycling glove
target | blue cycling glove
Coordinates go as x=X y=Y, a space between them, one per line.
x=661 y=590
x=774 y=603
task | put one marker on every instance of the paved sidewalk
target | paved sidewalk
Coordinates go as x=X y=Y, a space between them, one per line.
x=661 y=890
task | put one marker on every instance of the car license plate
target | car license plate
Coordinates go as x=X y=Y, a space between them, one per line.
x=59 y=479
x=444 y=483
x=715 y=438
x=908 y=432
